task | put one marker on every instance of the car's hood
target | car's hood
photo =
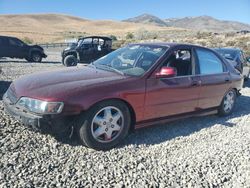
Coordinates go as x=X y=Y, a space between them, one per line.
x=71 y=47
x=57 y=84
x=36 y=46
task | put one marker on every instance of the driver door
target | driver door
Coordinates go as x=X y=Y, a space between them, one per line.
x=14 y=48
x=175 y=95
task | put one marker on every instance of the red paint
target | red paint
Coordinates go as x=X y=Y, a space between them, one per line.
x=149 y=96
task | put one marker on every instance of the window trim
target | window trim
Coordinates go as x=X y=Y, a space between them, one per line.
x=193 y=60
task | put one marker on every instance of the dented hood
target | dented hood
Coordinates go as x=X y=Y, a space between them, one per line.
x=54 y=85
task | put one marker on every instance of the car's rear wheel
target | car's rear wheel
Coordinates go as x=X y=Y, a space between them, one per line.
x=36 y=57
x=228 y=103
x=70 y=60
x=104 y=125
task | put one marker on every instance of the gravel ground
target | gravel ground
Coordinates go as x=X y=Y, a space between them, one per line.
x=196 y=152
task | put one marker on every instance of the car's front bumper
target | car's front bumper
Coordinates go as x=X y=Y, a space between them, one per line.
x=44 y=123
x=44 y=55
x=26 y=118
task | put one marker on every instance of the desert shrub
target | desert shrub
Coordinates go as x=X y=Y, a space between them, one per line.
x=230 y=34
x=28 y=40
x=113 y=37
x=143 y=34
x=118 y=43
x=230 y=43
x=202 y=35
x=129 y=36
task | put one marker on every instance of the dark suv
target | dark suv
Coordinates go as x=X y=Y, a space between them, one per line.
x=237 y=58
x=15 y=48
x=86 y=50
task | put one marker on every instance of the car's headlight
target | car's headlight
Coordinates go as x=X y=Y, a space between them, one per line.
x=39 y=106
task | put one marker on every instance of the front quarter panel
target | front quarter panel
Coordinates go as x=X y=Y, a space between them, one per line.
x=130 y=90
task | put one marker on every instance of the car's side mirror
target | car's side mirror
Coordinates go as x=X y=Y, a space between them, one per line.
x=166 y=72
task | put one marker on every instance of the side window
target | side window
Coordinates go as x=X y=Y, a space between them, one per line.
x=209 y=62
x=181 y=61
x=14 y=42
x=1 y=41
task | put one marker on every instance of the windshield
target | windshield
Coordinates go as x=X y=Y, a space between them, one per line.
x=227 y=53
x=84 y=41
x=133 y=60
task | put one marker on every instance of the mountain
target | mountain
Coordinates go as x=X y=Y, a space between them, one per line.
x=207 y=23
x=57 y=27
x=147 y=19
x=202 y=23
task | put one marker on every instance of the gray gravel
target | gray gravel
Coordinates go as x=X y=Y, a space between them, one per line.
x=196 y=152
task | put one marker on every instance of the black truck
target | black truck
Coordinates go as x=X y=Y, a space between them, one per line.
x=86 y=50
x=15 y=48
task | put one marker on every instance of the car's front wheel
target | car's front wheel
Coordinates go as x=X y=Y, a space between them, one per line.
x=104 y=125
x=227 y=103
x=36 y=57
x=70 y=60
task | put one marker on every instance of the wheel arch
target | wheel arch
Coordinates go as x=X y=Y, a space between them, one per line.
x=33 y=51
x=71 y=53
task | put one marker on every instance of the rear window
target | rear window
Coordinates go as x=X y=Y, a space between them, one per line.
x=209 y=63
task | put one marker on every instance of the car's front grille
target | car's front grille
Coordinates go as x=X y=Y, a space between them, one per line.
x=11 y=95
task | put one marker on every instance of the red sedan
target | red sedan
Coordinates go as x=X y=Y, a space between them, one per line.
x=132 y=87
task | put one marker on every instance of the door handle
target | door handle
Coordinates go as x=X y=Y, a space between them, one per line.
x=227 y=80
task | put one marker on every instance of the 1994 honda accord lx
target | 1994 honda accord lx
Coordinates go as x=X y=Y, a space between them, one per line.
x=132 y=87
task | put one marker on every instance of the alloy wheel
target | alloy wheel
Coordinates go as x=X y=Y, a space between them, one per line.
x=36 y=57
x=107 y=124
x=229 y=101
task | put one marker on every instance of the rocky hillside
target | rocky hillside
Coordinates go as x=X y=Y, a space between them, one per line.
x=202 y=23
x=207 y=23
x=57 y=27
x=147 y=19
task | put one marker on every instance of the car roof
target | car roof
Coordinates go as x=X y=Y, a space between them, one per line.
x=229 y=49
x=1 y=36
x=169 y=44
x=101 y=37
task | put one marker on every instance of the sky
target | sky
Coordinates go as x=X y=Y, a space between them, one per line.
x=235 y=10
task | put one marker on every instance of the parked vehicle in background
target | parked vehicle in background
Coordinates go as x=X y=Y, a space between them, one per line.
x=237 y=58
x=248 y=59
x=133 y=87
x=86 y=50
x=15 y=48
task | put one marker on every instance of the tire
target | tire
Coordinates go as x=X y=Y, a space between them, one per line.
x=227 y=104
x=36 y=57
x=27 y=59
x=70 y=61
x=102 y=133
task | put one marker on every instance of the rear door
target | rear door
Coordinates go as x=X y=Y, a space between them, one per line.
x=215 y=78
x=176 y=95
